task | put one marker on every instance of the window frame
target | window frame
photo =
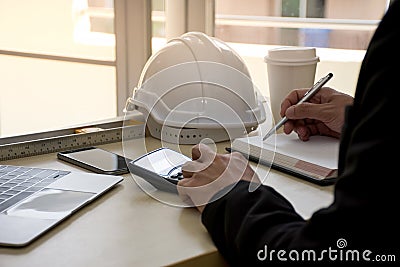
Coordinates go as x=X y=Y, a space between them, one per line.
x=132 y=19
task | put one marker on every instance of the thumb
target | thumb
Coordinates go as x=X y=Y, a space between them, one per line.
x=206 y=153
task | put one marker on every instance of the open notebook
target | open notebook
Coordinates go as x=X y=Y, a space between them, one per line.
x=315 y=160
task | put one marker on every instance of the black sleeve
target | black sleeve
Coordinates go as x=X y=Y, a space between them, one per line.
x=240 y=226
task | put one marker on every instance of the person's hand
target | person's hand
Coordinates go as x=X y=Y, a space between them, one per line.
x=209 y=172
x=323 y=114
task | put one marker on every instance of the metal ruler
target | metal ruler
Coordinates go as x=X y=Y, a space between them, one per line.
x=66 y=139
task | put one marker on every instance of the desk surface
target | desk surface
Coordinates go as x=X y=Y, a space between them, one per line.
x=127 y=227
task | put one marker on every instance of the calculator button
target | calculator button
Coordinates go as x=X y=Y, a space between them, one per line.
x=177 y=176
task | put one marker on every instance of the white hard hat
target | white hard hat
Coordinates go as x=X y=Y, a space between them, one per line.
x=197 y=87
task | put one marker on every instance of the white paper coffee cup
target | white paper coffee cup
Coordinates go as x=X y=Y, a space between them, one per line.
x=289 y=68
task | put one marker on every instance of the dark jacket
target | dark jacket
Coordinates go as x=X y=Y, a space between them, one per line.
x=364 y=215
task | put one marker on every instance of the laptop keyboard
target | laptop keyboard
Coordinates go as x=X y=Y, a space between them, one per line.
x=18 y=182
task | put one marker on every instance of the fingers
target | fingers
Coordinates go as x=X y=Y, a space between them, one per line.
x=202 y=180
x=323 y=114
x=306 y=128
x=292 y=99
x=186 y=173
x=323 y=96
x=306 y=111
x=190 y=167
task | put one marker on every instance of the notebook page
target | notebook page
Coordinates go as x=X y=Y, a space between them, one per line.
x=320 y=150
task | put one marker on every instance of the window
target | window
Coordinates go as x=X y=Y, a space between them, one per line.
x=68 y=62
x=339 y=29
x=57 y=71
x=341 y=24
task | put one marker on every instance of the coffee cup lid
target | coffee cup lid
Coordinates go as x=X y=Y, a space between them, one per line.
x=289 y=54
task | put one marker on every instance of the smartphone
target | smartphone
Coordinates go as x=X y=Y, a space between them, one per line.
x=96 y=160
x=160 y=167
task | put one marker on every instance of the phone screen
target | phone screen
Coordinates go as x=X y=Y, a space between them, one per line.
x=96 y=159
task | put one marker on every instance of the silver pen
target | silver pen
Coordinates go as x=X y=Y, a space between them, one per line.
x=308 y=95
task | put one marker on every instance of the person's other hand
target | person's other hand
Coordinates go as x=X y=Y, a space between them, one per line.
x=209 y=172
x=323 y=114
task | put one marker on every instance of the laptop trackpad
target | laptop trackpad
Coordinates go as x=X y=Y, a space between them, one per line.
x=50 y=204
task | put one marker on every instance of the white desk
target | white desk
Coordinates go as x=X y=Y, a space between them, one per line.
x=127 y=227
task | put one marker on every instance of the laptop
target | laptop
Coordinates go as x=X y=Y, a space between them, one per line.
x=33 y=200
